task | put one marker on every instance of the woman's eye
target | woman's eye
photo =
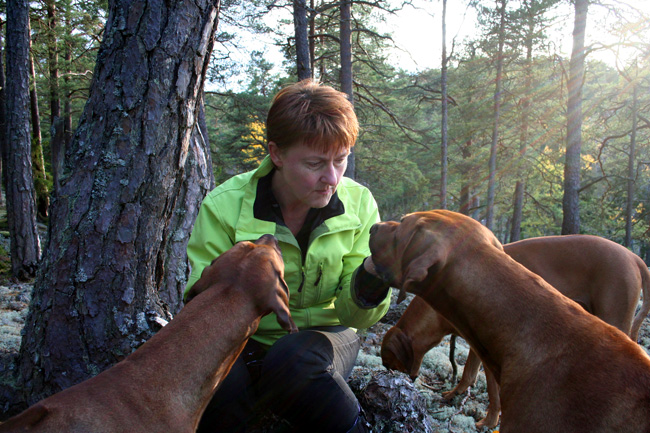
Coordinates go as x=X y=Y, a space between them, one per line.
x=313 y=164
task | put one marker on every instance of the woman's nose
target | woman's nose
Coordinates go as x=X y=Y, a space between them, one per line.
x=329 y=176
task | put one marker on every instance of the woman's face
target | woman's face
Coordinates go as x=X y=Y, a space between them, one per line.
x=305 y=177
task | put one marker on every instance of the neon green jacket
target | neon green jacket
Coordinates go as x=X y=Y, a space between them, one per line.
x=320 y=288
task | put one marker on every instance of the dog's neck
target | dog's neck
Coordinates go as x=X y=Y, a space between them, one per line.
x=194 y=352
x=457 y=296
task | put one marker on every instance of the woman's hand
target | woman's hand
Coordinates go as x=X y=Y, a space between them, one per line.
x=369 y=266
x=370 y=288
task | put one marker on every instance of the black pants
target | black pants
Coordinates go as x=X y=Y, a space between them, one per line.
x=301 y=378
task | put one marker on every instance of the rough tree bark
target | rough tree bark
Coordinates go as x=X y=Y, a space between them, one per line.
x=301 y=27
x=134 y=175
x=25 y=245
x=312 y=37
x=570 y=201
x=3 y=115
x=345 y=77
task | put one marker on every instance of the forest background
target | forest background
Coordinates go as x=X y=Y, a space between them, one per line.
x=398 y=153
x=486 y=133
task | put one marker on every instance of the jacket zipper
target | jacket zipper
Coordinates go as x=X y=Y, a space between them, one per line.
x=302 y=279
x=319 y=275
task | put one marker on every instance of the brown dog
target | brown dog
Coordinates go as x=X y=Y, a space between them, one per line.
x=560 y=368
x=165 y=385
x=604 y=277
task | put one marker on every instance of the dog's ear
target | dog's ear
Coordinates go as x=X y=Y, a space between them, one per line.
x=397 y=352
x=424 y=253
x=282 y=311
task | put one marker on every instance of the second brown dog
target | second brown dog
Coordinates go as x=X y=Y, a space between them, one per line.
x=560 y=368
x=165 y=385
x=601 y=275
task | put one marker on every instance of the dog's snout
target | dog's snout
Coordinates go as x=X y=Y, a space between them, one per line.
x=267 y=239
x=373 y=229
x=271 y=241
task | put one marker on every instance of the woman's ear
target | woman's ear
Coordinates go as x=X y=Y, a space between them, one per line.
x=275 y=153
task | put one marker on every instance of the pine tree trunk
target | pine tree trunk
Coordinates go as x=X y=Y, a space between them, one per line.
x=25 y=245
x=67 y=106
x=38 y=163
x=570 y=201
x=346 y=69
x=3 y=116
x=443 y=121
x=312 y=37
x=56 y=132
x=520 y=187
x=135 y=173
x=631 y=172
x=489 y=222
x=466 y=193
x=301 y=25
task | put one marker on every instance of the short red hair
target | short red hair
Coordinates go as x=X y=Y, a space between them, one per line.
x=312 y=114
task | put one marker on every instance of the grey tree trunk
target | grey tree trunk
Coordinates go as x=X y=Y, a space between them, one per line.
x=489 y=222
x=135 y=173
x=520 y=187
x=56 y=122
x=631 y=172
x=21 y=213
x=301 y=26
x=38 y=163
x=444 y=108
x=465 y=206
x=3 y=115
x=312 y=37
x=346 y=69
x=67 y=106
x=570 y=201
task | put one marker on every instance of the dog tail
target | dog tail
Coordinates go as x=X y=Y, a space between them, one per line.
x=645 y=305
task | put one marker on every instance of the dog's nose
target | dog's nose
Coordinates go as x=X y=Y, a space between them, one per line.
x=373 y=228
x=267 y=240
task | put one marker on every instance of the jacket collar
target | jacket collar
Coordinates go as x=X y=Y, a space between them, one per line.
x=266 y=206
x=257 y=218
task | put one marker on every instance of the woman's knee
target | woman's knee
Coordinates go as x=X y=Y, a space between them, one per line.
x=298 y=355
x=301 y=381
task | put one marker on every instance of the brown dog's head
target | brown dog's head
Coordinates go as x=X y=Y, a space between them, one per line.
x=418 y=330
x=397 y=353
x=257 y=269
x=405 y=252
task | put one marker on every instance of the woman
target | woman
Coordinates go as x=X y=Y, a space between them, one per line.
x=322 y=222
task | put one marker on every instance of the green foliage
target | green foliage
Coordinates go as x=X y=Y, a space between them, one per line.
x=76 y=35
x=236 y=121
x=398 y=156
